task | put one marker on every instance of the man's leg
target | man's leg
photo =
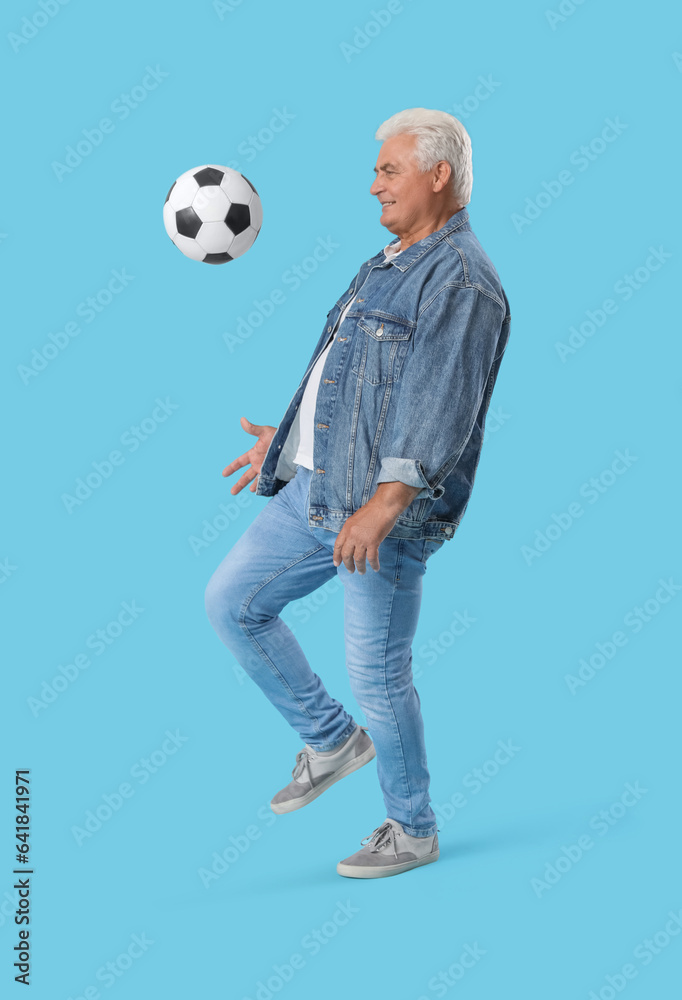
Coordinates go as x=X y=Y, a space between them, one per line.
x=278 y=560
x=381 y=614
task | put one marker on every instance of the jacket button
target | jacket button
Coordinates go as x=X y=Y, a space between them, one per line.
x=329 y=329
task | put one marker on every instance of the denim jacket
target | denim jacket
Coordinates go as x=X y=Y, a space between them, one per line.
x=405 y=387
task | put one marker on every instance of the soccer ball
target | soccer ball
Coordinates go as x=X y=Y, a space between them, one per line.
x=212 y=214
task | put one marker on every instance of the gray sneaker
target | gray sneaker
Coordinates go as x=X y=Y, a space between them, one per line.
x=389 y=851
x=313 y=772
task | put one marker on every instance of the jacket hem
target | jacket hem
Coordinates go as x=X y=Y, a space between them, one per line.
x=334 y=520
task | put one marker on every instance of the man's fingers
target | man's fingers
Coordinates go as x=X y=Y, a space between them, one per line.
x=355 y=556
x=238 y=463
x=251 y=428
x=243 y=480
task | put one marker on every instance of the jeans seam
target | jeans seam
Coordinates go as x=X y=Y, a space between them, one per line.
x=406 y=780
x=264 y=656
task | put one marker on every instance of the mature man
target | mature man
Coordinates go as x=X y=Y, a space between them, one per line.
x=373 y=462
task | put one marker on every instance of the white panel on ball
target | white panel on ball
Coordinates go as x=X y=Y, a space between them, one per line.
x=240 y=244
x=211 y=204
x=189 y=247
x=169 y=220
x=183 y=192
x=236 y=187
x=256 y=209
x=215 y=237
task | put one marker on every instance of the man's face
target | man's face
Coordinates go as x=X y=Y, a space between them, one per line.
x=406 y=193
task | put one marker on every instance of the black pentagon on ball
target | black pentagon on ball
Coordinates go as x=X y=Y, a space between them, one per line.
x=217 y=258
x=170 y=191
x=250 y=184
x=188 y=222
x=209 y=175
x=238 y=218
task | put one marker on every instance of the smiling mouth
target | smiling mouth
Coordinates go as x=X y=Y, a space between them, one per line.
x=385 y=204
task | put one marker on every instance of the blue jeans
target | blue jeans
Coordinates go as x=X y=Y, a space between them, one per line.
x=281 y=558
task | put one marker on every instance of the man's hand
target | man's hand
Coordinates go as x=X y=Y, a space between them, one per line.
x=254 y=455
x=364 y=531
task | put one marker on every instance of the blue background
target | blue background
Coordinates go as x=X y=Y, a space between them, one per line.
x=558 y=423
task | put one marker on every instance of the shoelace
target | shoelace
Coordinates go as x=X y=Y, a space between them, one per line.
x=303 y=758
x=302 y=761
x=383 y=836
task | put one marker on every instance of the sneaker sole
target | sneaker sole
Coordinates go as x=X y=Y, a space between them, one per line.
x=358 y=871
x=352 y=765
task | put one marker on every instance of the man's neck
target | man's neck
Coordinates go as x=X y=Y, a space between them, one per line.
x=420 y=233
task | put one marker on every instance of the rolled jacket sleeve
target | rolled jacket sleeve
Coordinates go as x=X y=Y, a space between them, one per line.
x=441 y=387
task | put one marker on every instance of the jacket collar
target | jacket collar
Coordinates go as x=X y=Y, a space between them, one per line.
x=458 y=221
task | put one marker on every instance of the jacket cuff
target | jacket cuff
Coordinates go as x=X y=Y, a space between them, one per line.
x=411 y=472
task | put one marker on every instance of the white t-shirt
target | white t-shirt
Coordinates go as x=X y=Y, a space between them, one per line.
x=304 y=455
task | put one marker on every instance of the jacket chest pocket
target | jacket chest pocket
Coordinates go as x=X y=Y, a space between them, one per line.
x=380 y=349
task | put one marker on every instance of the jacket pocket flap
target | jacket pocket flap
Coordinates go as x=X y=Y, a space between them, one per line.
x=384 y=329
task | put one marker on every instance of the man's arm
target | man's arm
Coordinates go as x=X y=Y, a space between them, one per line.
x=441 y=388
x=363 y=531
x=394 y=497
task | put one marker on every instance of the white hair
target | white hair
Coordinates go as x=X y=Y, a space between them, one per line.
x=440 y=136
